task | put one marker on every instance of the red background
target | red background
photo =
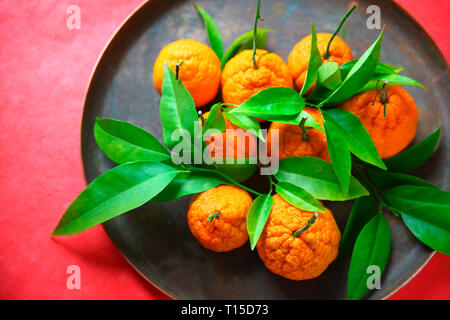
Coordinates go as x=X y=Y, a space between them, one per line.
x=44 y=72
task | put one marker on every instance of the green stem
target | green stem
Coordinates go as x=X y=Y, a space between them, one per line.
x=296 y=234
x=368 y=183
x=327 y=54
x=229 y=104
x=382 y=94
x=271 y=183
x=380 y=208
x=270 y=176
x=373 y=188
x=202 y=118
x=313 y=104
x=255 y=30
x=213 y=216
x=226 y=177
x=177 y=68
x=302 y=126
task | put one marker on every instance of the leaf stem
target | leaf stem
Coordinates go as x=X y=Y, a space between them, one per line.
x=255 y=30
x=382 y=93
x=202 y=118
x=213 y=216
x=226 y=177
x=229 y=104
x=271 y=183
x=302 y=126
x=296 y=234
x=327 y=53
x=373 y=188
x=177 y=68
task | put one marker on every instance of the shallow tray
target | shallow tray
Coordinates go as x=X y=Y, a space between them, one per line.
x=155 y=238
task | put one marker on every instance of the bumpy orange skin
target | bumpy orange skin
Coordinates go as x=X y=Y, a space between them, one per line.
x=234 y=142
x=298 y=59
x=240 y=80
x=301 y=258
x=291 y=143
x=230 y=230
x=390 y=134
x=200 y=71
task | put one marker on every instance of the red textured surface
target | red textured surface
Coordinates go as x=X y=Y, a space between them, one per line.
x=44 y=72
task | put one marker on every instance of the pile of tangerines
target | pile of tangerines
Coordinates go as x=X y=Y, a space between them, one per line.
x=217 y=217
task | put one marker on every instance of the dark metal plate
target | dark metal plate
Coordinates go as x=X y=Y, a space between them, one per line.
x=155 y=238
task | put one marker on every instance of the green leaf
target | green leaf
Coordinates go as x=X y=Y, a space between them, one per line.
x=114 y=192
x=177 y=110
x=215 y=119
x=358 y=75
x=215 y=39
x=257 y=217
x=315 y=61
x=373 y=83
x=124 y=142
x=372 y=248
x=317 y=177
x=381 y=68
x=414 y=156
x=425 y=211
x=293 y=119
x=384 y=68
x=186 y=183
x=393 y=80
x=245 y=42
x=363 y=210
x=396 y=79
x=237 y=170
x=245 y=122
x=298 y=197
x=357 y=137
x=329 y=75
x=339 y=153
x=386 y=179
x=276 y=101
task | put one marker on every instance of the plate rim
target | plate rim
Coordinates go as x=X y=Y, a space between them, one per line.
x=115 y=34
